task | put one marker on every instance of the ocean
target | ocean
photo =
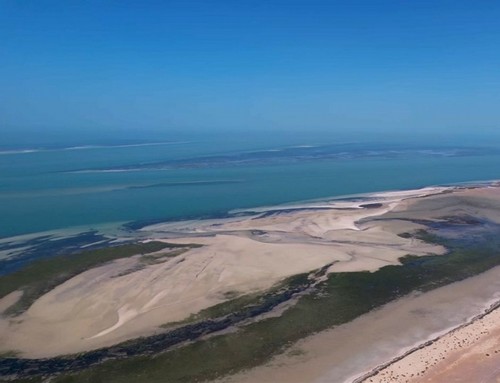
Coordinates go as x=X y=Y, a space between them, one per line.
x=90 y=183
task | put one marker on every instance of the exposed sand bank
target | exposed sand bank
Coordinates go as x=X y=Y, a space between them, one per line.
x=107 y=304
x=9 y=300
x=345 y=353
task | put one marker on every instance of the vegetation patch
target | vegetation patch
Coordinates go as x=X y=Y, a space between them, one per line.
x=9 y=354
x=339 y=299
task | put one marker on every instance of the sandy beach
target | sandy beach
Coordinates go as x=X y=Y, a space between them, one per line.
x=106 y=305
x=438 y=336
x=468 y=353
x=348 y=352
x=240 y=255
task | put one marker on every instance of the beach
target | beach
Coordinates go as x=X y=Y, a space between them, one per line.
x=106 y=305
x=467 y=353
x=353 y=352
x=215 y=261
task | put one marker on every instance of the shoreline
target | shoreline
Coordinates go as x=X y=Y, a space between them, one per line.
x=358 y=243
x=377 y=370
x=253 y=254
x=124 y=228
x=13 y=248
x=379 y=337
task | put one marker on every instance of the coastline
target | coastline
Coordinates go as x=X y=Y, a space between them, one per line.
x=253 y=253
x=135 y=229
x=381 y=337
x=432 y=358
x=240 y=256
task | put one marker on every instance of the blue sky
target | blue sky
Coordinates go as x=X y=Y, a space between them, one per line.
x=250 y=65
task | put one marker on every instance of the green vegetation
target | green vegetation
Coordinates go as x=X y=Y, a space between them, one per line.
x=239 y=303
x=219 y=310
x=41 y=276
x=27 y=380
x=246 y=300
x=341 y=298
x=9 y=354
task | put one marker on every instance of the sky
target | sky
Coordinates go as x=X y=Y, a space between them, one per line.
x=270 y=65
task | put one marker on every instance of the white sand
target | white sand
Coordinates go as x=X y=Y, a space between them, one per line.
x=100 y=307
x=347 y=352
x=467 y=354
x=9 y=300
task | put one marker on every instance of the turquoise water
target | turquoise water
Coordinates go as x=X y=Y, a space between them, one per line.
x=55 y=188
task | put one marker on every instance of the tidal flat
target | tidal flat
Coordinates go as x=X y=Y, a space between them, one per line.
x=247 y=329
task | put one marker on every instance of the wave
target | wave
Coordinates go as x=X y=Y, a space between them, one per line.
x=117 y=170
x=186 y=183
x=85 y=147
x=19 y=151
x=303 y=146
x=88 y=147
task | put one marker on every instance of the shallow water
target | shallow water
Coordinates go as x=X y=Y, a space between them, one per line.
x=45 y=188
